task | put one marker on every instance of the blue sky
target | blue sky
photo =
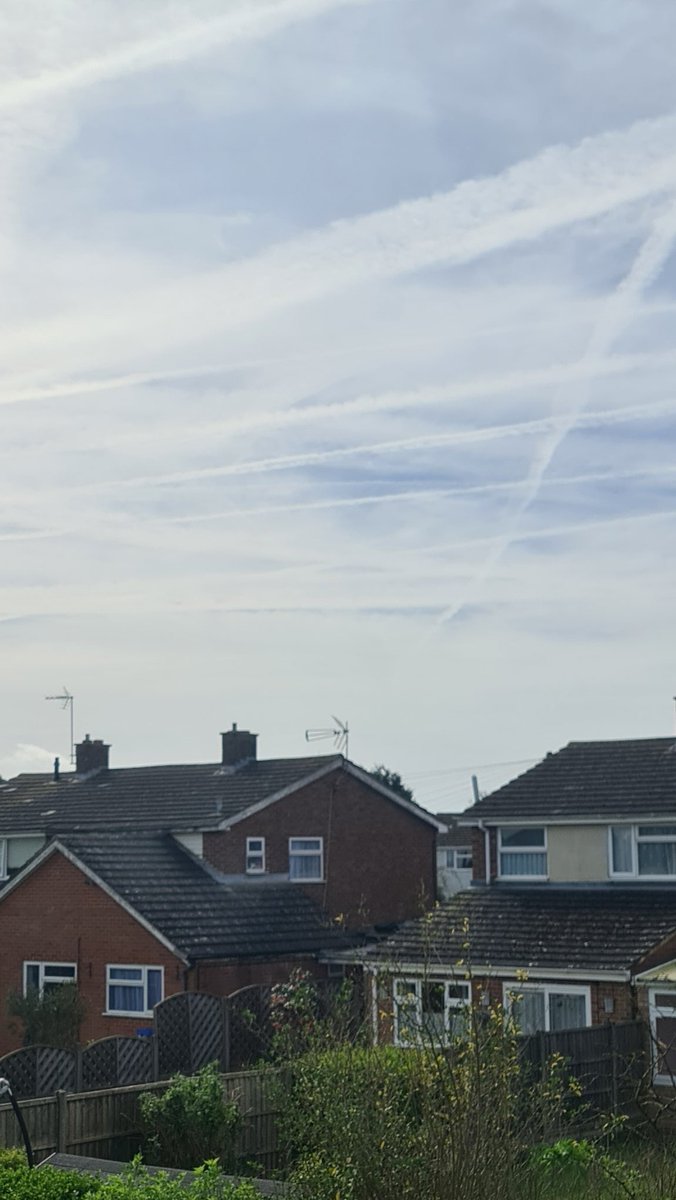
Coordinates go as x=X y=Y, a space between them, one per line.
x=337 y=377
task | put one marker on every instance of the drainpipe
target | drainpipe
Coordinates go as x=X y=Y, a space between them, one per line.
x=487 y=851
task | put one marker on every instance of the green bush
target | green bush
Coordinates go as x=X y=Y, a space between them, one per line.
x=45 y=1183
x=50 y=1019
x=190 y=1122
x=12 y=1157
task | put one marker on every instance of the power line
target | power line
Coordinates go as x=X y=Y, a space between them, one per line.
x=517 y=762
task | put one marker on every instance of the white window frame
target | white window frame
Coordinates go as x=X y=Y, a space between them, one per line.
x=143 y=982
x=33 y=962
x=656 y=1011
x=4 y=858
x=543 y=849
x=512 y=987
x=451 y=1003
x=300 y=837
x=255 y=854
x=636 y=840
x=451 y=853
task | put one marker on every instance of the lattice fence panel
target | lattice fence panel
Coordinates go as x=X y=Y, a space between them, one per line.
x=189 y=1031
x=250 y=1025
x=39 y=1071
x=116 y=1062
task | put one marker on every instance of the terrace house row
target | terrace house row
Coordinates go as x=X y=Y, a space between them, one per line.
x=136 y=883
x=570 y=919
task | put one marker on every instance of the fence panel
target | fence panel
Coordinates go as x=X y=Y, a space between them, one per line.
x=250 y=1029
x=39 y=1071
x=189 y=1028
x=116 y=1062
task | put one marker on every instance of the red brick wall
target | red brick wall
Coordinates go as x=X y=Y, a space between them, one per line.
x=221 y=979
x=379 y=860
x=58 y=915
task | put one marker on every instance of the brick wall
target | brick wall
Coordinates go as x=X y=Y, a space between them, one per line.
x=58 y=915
x=221 y=979
x=379 y=860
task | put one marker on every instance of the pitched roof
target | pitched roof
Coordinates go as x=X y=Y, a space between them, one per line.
x=591 y=779
x=165 y=797
x=595 y=929
x=455 y=835
x=186 y=902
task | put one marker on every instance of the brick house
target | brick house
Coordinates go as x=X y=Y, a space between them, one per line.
x=570 y=919
x=140 y=882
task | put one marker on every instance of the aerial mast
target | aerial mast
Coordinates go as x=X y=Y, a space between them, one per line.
x=67 y=702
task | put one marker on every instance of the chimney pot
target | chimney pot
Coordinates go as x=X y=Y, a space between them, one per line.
x=238 y=747
x=57 y=770
x=91 y=755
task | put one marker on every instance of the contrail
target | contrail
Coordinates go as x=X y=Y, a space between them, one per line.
x=248 y=23
x=616 y=315
x=261 y=466
x=559 y=187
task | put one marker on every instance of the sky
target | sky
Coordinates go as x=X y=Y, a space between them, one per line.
x=337 y=379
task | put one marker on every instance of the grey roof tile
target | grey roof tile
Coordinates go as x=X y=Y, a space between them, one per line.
x=164 y=797
x=590 y=779
x=543 y=927
x=200 y=915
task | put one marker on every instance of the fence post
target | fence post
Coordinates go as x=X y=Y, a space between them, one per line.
x=61 y=1122
x=226 y=1034
x=614 y=1092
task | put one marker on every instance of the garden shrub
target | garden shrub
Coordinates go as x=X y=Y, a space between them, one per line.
x=52 y=1018
x=136 y=1183
x=191 y=1121
x=12 y=1156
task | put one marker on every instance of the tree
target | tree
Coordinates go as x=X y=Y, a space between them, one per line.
x=52 y=1018
x=391 y=780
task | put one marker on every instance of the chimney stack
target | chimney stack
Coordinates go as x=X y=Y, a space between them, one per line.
x=239 y=747
x=91 y=756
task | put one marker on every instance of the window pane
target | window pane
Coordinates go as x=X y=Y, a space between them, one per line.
x=621 y=839
x=665 y=1000
x=666 y=831
x=154 y=987
x=522 y=837
x=57 y=969
x=528 y=1010
x=529 y=863
x=567 y=1011
x=458 y=992
x=463 y=858
x=450 y=858
x=255 y=845
x=127 y=998
x=305 y=866
x=127 y=973
x=32 y=975
x=311 y=844
x=657 y=858
x=665 y=1036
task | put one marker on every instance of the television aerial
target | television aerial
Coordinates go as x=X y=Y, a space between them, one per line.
x=339 y=734
x=67 y=702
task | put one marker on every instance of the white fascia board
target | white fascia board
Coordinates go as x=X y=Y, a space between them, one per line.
x=56 y=845
x=414 y=809
x=333 y=765
x=664 y=973
x=477 y=970
x=519 y=822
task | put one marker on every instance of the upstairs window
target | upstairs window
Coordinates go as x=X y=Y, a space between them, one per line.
x=457 y=858
x=429 y=1010
x=133 y=991
x=44 y=977
x=255 y=855
x=306 y=859
x=523 y=853
x=643 y=851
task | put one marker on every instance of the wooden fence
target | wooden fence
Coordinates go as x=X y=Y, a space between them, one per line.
x=609 y=1062
x=106 y=1123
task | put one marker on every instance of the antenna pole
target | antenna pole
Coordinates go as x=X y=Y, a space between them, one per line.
x=67 y=701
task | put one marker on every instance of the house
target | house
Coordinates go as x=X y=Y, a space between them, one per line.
x=454 y=857
x=571 y=916
x=139 y=882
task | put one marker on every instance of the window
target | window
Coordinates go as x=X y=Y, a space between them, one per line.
x=3 y=858
x=44 y=977
x=306 y=859
x=131 y=991
x=663 y=1027
x=457 y=858
x=523 y=853
x=543 y=1006
x=429 y=1010
x=643 y=851
x=255 y=855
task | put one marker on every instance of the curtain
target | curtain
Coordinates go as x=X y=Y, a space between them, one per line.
x=528 y=1011
x=657 y=858
x=305 y=866
x=622 y=857
x=525 y=863
x=125 y=998
x=567 y=1011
